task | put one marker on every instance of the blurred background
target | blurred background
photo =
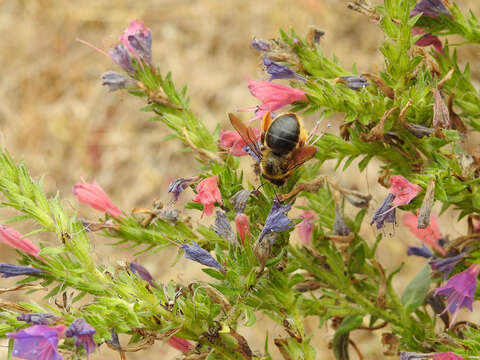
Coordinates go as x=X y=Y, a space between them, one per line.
x=56 y=115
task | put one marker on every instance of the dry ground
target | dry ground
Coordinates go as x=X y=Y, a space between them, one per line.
x=55 y=114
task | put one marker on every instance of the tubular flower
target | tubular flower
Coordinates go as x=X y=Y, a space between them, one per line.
x=138 y=40
x=420 y=251
x=385 y=213
x=207 y=194
x=16 y=240
x=459 y=290
x=38 y=342
x=430 y=8
x=82 y=332
x=278 y=71
x=94 y=196
x=114 y=80
x=196 y=253
x=241 y=223
x=143 y=273
x=180 y=344
x=9 y=270
x=240 y=200
x=233 y=142
x=428 y=39
x=430 y=235
x=273 y=96
x=447 y=356
x=277 y=220
x=178 y=186
x=37 y=318
x=403 y=190
x=119 y=56
x=447 y=264
x=260 y=45
x=222 y=227
x=356 y=83
x=305 y=228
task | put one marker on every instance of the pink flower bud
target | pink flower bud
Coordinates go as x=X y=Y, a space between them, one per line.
x=305 y=228
x=207 y=194
x=16 y=240
x=94 y=196
x=430 y=235
x=180 y=344
x=241 y=222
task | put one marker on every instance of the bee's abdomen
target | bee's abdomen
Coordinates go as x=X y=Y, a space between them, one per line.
x=283 y=134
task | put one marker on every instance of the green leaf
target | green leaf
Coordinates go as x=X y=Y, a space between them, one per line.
x=250 y=318
x=416 y=291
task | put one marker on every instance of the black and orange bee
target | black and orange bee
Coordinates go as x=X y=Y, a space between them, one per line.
x=282 y=146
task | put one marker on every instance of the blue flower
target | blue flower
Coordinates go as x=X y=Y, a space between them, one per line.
x=114 y=80
x=260 y=45
x=119 y=55
x=37 y=318
x=240 y=200
x=143 y=273
x=447 y=264
x=222 y=227
x=277 y=220
x=196 y=253
x=354 y=82
x=178 y=186
x=280 y=71
x=420 y=251
x=430 y=8
x=38 y=342
x=83 y=334
x=9 y=270
x=385 y=213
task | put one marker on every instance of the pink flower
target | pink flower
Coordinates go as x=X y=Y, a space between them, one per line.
x=233 y=142
x=241 y=222
x=94 y=196
x=136 y=38
x=305 y=228
x=207 y=194
x=403 y=190
x=460 y=289
x=16 y=240
x=180 y=344
x=428 y=39
x=447 y=356
x=430 y=235
x=273 y=96
x=38 y=342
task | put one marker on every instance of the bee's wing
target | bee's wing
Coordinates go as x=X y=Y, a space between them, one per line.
x=300 y=155
x=246 y=134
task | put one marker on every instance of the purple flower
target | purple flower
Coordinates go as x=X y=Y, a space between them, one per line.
x=260 y=45
x=139 y=270
x=340 y=227
x=119 y=55
x=240 y=200
x=459 y=290
x=38 y=318
x=83 y=334
x=177 y=186
x=280 y=71
x=412 y=356
x=356 y=83
x=196 y=253
x=385 y=213
x=428 y=39
x=447 y=264
x=222 y=227
x=114 y=80
x=38 y=342
x=277 y=220
x=430 y=8
x=9 y=270
x=138 y=40
x=423 y=251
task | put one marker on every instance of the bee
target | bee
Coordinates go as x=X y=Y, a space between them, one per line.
x=282 y=146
